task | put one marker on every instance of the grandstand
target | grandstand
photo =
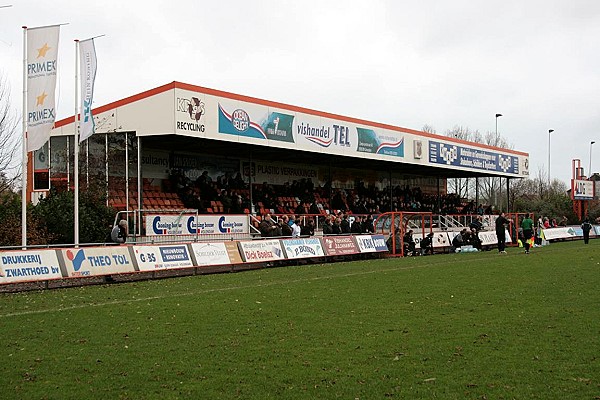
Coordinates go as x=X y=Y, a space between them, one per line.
x=180 y=146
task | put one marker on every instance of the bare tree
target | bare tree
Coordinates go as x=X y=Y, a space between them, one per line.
x=10 y=165
x=428 y=128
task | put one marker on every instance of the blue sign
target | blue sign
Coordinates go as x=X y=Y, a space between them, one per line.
x=466 y=157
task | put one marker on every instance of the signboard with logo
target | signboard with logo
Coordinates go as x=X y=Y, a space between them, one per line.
x=339 y=245
x=152 y=258
x=302 y=248
x=186 y=224
x=279 y=173
x=440 y=240
x=28 y=265
x=582 y=190
x=371 y=243
x=216 y=253
x=95 y=261
x=564 y=232
x=450 y=154
x=261 y=250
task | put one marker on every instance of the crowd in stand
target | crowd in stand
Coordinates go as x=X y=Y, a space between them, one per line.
x=233 y=193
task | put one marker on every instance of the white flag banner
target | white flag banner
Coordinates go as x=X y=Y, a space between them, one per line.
x=87 y=69
x=42 y=52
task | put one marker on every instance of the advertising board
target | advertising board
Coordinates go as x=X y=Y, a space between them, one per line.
x=28 y=265
x=152 y=258
x=302 y=248
x=95 y=261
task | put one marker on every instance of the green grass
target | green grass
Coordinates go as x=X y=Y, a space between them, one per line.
x=458 y=326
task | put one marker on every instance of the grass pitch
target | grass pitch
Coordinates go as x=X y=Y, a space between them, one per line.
x=458 y=326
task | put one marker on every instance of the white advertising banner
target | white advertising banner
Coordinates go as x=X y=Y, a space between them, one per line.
x=152 y=258
x=302 y=248
x=261 y=250
x=370 y=243
x=42 y=58
x=440 y=240
x=24 y=266
x=190 y=225
x=559 y=233
x=211 y=253
x=95 y=261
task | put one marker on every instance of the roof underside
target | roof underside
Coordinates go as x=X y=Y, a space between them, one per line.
x=243 y=150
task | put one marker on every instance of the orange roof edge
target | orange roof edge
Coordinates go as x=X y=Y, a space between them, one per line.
x=234 y=96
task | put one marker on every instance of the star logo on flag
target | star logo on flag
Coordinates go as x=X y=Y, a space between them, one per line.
x=43 y=50
x=41 y=98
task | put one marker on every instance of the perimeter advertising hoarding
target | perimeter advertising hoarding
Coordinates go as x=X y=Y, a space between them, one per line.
x=440 y=240
x=216 y=253
x=302 y=248
x=261 y=250
x=230 y=119
x=560 y=233
x=339 y=245
x=168 y=224
x=370 y=243
x=30 y=265
x=582 y=190
x=97 y=261
x=152 y=258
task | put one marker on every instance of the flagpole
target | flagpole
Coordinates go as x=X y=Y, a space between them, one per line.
x=76 y=149
x=24 y=163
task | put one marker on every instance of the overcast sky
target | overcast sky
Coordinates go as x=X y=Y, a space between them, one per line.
x=406 y=63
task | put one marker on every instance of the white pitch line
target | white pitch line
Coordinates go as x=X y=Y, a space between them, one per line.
x=193 y=293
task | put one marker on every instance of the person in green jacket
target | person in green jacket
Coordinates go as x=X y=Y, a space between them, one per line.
x=527 y=225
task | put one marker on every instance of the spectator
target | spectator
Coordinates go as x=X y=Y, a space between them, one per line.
x=357 y=225
x=328 y=226
x=268 y=227
x=119 y=232
x=345 y=224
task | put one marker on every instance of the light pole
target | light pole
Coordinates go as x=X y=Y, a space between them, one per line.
x=590 y=170
x=493 y=179
x=549 y=132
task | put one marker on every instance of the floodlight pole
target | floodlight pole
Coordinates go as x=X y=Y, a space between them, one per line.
x=549 y=132
x=590 y=169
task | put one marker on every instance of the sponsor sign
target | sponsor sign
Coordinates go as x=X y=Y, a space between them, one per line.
x=94 y=261
x=489 y=238
x=466 y=157
x=302 y=248
x=560 y=233
x=261 y=250
x=387 y=143
x=339 y=245
x=191 y=114
x=275 y=126
x=582 y=190
x=23 y=266
x=440 y=240
x=596 y=229
x=216 y=253
x=371 y=243
x=192 y=225
x=280 y=173
x=152 y=258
